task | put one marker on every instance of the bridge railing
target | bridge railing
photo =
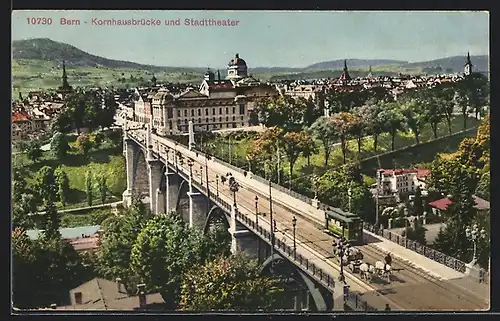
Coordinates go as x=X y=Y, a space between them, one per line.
x=351 y=299
x=426 y=251
x=265 y=181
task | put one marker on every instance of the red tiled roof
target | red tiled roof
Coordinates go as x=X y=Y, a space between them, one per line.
x=443 y=203
x=20 y=116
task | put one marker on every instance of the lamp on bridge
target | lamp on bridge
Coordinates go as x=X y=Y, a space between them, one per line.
x=201 y=175
x=341 y=250
x=294 y=224
x=474 y=235
x=256 y=210
x=190 y=163
x=217 y=184
x=234 y=187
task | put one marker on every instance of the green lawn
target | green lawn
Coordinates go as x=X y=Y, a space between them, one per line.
x=107 y=160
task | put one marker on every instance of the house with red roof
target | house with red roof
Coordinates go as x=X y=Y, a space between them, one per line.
x=440 y=206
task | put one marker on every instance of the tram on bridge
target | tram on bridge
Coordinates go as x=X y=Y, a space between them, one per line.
x=348 y=225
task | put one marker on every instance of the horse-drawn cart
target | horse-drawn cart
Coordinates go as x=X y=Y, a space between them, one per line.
x=354 y=265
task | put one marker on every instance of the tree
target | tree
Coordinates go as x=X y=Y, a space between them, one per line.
x=416 y=233
x=19 y=185
x=359 y=126
x=392 y=120
x=282 y=111
x=445 y=95
x=63 y=123
x=45 y=184
x=310 y=147
x=294 y=144
x=312 y=112
x=52 y=221
x=58 y=268
x=324 y=131
x=98 y=139
x=22 y=211
x=83 y=143
x=414 y=118
x=89 y=187
x=63 y=185
x=101 y=186
x=432 y=110
x=418 y=205
x=33 y=151
x=267 y=146
x=484 y=186
x=344 y=124
x=374 y=125
x=118 y=240
x=163 y=251
x=106 y=114
x=59 y=145
x=228 y=283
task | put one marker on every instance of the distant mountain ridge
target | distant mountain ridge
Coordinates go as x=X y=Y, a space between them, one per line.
x=50 y=50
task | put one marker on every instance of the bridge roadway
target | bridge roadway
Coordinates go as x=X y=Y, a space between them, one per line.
x=410 y=288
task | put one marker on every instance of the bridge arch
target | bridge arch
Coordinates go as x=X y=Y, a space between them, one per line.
x=288 y=269
x=141 y=174
x=183 y=189
x=215 y=214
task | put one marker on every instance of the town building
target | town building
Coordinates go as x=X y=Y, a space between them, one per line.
x=392 y=182
x=440 y=206
x=216 y=104
x=83 y=238
x=101 y=294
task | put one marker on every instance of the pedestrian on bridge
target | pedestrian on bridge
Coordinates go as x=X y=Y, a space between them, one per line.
x=388 y=259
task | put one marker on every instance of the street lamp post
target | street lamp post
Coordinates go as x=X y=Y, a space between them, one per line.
x=256 y=210
x=234 y=187
x=474 y=235
x=341 y=249
x=217 y=184
x=405 y=211
x=190 y=164
x=294 y=224
x=201 y=175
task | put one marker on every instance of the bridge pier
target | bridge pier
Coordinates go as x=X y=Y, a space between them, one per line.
x=197 y=210
x=243 y=240
x=129 y=153
x=154 y=169
x=172 y=190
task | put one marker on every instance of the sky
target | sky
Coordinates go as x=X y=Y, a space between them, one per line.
x=263 y=38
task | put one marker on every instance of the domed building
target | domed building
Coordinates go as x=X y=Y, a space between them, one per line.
x=237 y=68
x=218 y=104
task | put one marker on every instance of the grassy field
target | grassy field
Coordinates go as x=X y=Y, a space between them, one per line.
x=33 y=75
x=107 y=160
x=242 y=148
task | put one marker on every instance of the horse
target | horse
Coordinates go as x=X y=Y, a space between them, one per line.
x=383 y=270
x=366 y=271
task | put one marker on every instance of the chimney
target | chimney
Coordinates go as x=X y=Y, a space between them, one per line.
x=78 y=297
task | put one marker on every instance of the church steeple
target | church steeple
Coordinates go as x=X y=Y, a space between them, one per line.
x=65 y=84
x=468 y=66
x=370 y=75
x=218 y=75
x=344 y=77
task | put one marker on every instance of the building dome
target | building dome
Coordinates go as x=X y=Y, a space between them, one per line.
x=237 y=61
x=163 y=95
